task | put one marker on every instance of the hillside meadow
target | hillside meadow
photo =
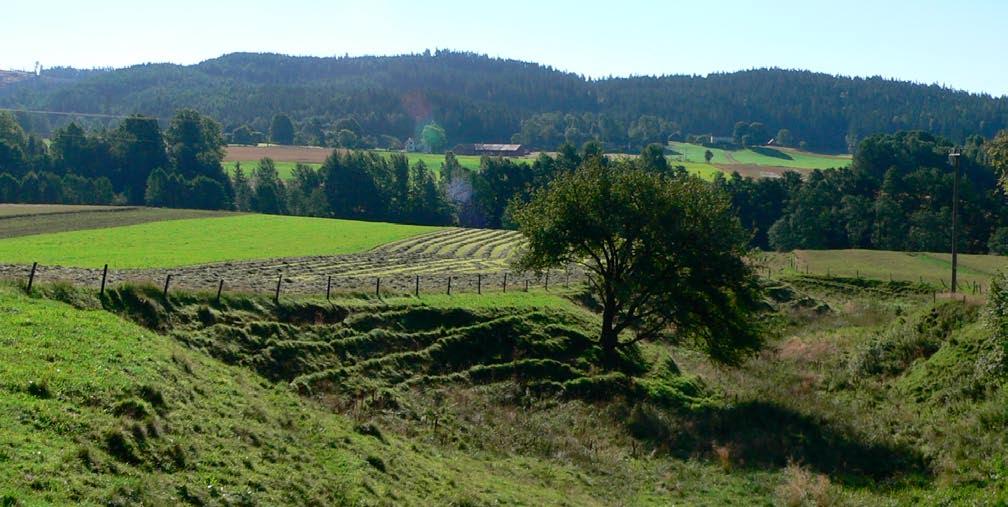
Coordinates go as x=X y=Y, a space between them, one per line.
x=761 y=156
x=757 y=162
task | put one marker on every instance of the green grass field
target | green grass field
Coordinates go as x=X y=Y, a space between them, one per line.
x=932 y=268
x=284 y=168
x=768 y=157
x=204 y=240
x=432 y=160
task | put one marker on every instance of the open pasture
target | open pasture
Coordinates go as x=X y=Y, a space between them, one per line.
x=203 y=240
x=759 y=161
x=931 y=268
x=471 y=260
x=284 y=169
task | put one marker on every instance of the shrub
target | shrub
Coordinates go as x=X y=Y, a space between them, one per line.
x=907 y=341
x=998 y=243
x=803 y=488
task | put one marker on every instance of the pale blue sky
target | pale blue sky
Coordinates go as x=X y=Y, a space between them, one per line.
x=962 y=44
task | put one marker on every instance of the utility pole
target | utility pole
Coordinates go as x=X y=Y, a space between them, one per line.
x=954 y=155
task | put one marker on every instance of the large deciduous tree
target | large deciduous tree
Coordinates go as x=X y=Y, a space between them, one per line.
x=663 y=256
x=139 y=149
x=434 y=137
x=195 y=146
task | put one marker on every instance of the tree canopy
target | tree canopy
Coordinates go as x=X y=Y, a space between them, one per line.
x=282 y=129
x=663 y=256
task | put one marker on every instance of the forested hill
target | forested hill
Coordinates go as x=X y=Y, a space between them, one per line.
x=477 y=98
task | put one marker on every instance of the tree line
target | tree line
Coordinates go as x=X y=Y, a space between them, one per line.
x=896 y=195
x=365 y=102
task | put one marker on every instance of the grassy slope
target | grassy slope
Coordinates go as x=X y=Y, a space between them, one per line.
x=789 y=158
x=196 y=241
x=933 y=268
x=77 y=425
x=802 y=400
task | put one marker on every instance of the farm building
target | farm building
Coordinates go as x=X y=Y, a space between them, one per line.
x=492 y=150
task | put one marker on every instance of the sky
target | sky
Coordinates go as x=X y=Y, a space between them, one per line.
x=960 y=44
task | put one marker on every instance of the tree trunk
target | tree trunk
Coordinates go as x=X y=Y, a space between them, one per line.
x=608 y=338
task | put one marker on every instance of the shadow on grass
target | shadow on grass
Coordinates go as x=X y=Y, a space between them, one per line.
x=770 y=152
x=765 y=435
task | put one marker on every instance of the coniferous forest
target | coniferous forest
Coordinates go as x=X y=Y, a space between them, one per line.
x=385 y=100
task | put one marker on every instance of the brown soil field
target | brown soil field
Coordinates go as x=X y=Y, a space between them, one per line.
x=303 y=154
x=23 y=210
x=51 y=218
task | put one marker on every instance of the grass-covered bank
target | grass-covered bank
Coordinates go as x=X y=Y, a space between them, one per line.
x=868 y=394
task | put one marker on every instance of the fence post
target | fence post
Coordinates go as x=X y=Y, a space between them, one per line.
x=526 y=285
x=479 y=283
x=103 y=276
x=449 y=285
x=276 y=296
x=377 y=286
x=546 y=285
x=416 y=286
x=328 y=287
x=220 y=287
x=167 y=281
x=505 y=281
x=31 y=277
x=567 y=277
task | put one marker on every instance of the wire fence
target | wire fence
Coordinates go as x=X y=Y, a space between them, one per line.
x=280 y=284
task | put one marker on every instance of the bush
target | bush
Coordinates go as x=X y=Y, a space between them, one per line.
x=907 y=341
x=998 y=243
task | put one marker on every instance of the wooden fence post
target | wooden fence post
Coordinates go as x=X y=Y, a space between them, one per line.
x=167 y=281
x=449 y=285
x=567 y=277
x=505 y=281
x=547 y=281
x=526 y=285
x=276 y=296
x=103 y=276
x=377 y=286
x=220 y=288
x=416 y=286
x=479 y=283
x=328 y=287
x=31 y=276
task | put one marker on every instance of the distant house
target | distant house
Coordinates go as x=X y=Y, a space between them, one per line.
x=491 y=150
x=410 y=146
x=721 y=140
